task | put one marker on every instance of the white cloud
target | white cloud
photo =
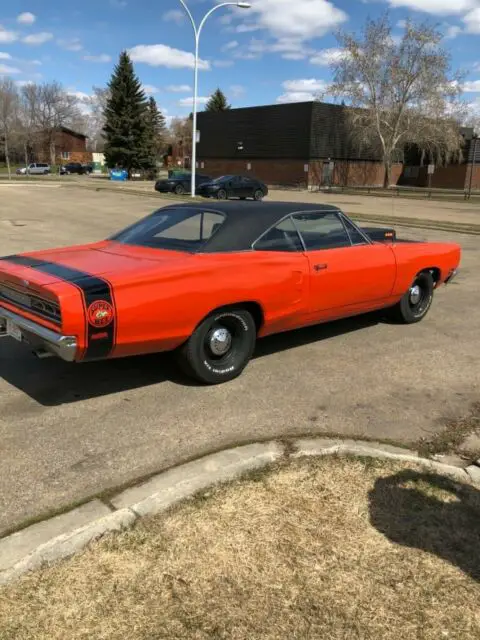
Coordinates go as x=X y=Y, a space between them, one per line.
x=6 y=70
x=188 y=102
x=73 y=44
x=452 y=32
x=37 y=63
x=26 y=18
x=296 y=96
x=161 y=55
x=304 y=84
x=38 y=38
x=247 y=28
x=179 y=88
x=23 y=83
x=7 y=36
x=472 y=86
x=223 y=64
x=118 y=4
x=301 y=19
x=301 y=90
x=103 y=57
x=436 y=7
x=288 y=48
x=237 y=90
x=233 y=44
x=150 y=89
x=325 y=57
x=471 y=20
x=401 y=24
x=175 y=15
x=5 y=56
x=80 y=95
x=226 y=19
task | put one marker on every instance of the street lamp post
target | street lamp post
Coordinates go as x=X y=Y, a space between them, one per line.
x=197 y=31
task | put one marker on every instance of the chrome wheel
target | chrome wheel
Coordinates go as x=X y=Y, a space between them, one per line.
x=415 y=294
x=220 y=341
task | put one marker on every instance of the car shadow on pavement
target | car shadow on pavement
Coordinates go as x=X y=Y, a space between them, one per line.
x=52 y=382
x=432 y=513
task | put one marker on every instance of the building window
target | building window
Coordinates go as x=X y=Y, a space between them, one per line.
x=65 y=155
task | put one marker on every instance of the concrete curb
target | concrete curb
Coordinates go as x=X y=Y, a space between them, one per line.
x=62 y=536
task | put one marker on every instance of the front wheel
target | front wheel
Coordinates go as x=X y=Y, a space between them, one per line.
x=258 y=195
x=220 y=347
x=221 y=194
x=179 y=190
x=416 y=302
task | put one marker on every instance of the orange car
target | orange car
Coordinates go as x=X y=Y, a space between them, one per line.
x=209 y=279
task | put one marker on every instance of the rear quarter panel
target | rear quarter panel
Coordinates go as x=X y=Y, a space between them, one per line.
x=416 y=257
x=160 y=312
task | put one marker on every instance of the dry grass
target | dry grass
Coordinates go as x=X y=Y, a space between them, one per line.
x=330 y=549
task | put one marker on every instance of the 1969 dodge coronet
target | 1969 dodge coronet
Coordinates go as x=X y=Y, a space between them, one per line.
x=207 y=280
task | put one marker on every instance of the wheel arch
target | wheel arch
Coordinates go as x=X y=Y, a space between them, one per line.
x=254 y=307
x=434 y=271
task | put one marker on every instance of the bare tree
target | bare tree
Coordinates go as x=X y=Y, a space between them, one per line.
x=27 y=128
x=95 y=118
x=8 y=116
x=55 y=109
x=180 y=135
x=400 y=92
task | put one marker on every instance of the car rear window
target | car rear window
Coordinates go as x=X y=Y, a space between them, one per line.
x=175 y=229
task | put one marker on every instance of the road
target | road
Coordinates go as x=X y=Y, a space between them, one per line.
x=70 y=431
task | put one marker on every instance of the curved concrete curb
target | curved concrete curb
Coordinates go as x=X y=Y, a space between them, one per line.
x=64 y=535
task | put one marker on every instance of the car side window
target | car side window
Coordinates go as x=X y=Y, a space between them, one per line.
x=354 y=234
x=321 y=231
x=283 y=237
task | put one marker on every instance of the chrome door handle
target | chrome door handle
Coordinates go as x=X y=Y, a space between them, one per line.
x=320 y=267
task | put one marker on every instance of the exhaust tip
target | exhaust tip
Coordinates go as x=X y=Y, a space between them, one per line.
x=42 y=353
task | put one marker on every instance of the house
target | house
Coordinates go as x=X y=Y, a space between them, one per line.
x=70 y=146
x=306 y=144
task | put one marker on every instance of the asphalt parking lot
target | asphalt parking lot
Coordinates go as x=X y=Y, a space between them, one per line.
x=71 y=431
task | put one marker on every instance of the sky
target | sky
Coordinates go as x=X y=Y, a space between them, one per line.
x=275 y=52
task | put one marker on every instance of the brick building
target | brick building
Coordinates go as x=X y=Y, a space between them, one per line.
x=70 y=146
x=305 y=144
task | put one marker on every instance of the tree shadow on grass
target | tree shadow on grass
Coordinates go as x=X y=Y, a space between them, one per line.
x=432 y=513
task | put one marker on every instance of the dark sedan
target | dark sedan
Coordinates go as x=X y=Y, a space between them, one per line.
x=73 y=167
x=180 y=184
x=233 y=187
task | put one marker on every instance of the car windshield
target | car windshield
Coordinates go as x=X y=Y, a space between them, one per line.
x=222 y=178
x=179 y=229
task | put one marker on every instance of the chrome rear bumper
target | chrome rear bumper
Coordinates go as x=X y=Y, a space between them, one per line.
x=42 y=339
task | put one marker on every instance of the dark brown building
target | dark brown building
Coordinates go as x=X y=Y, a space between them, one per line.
x=70 y=146
x=305 y=144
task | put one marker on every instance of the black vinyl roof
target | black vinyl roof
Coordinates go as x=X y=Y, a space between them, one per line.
x=246 y=221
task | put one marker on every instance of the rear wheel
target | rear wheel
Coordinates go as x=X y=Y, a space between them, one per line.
x=220 y=347
x=45 y=173
x=221 y=194
x=179 y=189
x=258 y=195
x=416 y=302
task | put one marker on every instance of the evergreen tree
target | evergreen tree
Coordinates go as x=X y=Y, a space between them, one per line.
x=125 y=130
x=155 y=132
x=217 y=102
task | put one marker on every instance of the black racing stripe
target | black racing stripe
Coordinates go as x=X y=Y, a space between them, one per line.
x=100 y=341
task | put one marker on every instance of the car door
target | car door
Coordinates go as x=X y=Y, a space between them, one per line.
x=31 y=168
x=235 y=188
x=348 y=273
x=282 y=265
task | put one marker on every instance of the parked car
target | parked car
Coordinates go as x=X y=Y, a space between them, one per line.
x=89 y=167
x=180 y=183
x=233 y=187
x=73 y=167
x=35 y=168
x=208 y=280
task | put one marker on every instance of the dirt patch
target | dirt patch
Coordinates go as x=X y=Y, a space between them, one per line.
x=460 y=437
x=330 y=548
